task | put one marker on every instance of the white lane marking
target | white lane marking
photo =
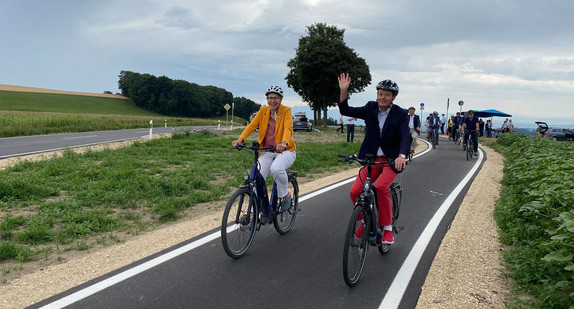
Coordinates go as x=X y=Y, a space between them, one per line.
x=397 y=289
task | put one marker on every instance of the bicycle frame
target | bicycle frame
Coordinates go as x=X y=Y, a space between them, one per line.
x=259 y=189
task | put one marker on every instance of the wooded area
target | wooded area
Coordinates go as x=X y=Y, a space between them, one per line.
x=180 y=98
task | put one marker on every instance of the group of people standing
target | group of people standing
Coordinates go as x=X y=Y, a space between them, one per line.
x=350 y=128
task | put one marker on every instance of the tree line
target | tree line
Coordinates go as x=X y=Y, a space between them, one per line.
x=179 y=98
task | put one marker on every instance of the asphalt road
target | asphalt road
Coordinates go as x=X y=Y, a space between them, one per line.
x=26 y=145
x=302 y=269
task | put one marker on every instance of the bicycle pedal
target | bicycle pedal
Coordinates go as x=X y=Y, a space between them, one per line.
x=398 y=229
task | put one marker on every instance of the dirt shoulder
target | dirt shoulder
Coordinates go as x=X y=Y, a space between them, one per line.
x=466 y=272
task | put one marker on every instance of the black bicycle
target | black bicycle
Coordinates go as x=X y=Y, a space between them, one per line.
x=470 y=144
x=363 y=229
x=249 y=207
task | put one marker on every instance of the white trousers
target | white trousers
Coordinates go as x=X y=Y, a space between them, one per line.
x=277 y=164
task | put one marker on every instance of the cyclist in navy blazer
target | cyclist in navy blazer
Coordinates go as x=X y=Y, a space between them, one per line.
x=387 y=137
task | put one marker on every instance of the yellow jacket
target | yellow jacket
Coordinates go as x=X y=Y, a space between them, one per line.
x=283 y=126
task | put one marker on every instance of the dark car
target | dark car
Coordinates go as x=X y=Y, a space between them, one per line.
x=302 y=124
x=557 y=134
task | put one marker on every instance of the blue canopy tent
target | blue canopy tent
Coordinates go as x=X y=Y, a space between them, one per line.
x=490 y=113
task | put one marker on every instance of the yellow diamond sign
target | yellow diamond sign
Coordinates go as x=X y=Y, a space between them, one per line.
x=227 y=107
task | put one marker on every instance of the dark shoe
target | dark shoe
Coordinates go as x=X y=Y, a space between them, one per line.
x=476 y=153
x=266 y=219
x=285 y=203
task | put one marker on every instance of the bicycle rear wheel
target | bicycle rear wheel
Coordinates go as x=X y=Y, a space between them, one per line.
x=285 y=219
x=356 y=245
x=239 y=223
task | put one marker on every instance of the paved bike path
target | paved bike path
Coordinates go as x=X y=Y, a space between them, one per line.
x=302 y=269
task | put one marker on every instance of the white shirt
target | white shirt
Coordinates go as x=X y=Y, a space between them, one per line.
x=382 y=115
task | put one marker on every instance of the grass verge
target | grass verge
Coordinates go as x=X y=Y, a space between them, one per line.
x=77 y=201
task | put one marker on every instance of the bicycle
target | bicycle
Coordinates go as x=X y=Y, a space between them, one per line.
x=365 y=215
x=433 y=138
x=457 y=136
x=470 y=144
x=249 y=207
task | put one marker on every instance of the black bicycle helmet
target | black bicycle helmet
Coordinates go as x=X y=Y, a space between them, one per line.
x=274 y=89
x=390 y=85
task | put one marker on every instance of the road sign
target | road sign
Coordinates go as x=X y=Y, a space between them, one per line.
x=422 y=104
x=227 y=107
x=460 y=102
x=422 y=108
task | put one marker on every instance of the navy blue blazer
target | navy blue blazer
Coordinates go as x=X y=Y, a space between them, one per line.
x=395 y=138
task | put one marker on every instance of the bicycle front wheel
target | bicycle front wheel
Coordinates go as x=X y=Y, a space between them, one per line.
x=356 y=245
x=239 y=223
x=285 y=219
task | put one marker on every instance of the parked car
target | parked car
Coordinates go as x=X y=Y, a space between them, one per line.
x=556 y=134
x=302 y=123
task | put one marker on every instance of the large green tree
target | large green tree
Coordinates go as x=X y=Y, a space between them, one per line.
x=319 y=59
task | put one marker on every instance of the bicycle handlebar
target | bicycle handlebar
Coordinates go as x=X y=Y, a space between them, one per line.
x=254 y=147
x=369 y=160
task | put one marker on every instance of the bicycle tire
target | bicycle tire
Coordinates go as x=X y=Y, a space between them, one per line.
x=285 y=219
x=238 y=225
x=434 y=140
x=468 y=149
x=355 y=250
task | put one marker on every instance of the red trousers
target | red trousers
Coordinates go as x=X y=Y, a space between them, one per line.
x=384 y=177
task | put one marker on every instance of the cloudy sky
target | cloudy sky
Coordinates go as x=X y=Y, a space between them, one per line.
x=516 y=56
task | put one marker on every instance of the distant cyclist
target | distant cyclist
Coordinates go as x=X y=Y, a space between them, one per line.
x=456 y=123
x=471 y=124
x=434 y=125
x=387 y=137
x=275 y=125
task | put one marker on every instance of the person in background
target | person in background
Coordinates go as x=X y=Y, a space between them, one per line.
x=341 y=125
x=434 y=125
x=449 y=127
x=488 y=126
x=427 y=125
x=470 y=126
x=350 y=129
x=414 y=127
x=387 y=137
x=505 y=126
x=481 y=126
x=442 y=122
x=456 y=124
x=510 y=126
x=275 y=124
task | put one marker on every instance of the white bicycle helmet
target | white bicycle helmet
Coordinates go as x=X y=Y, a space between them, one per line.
x=390 y=85
x=274 y=89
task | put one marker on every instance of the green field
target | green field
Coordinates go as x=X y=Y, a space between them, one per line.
x=72 y=104
x=27 y=113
